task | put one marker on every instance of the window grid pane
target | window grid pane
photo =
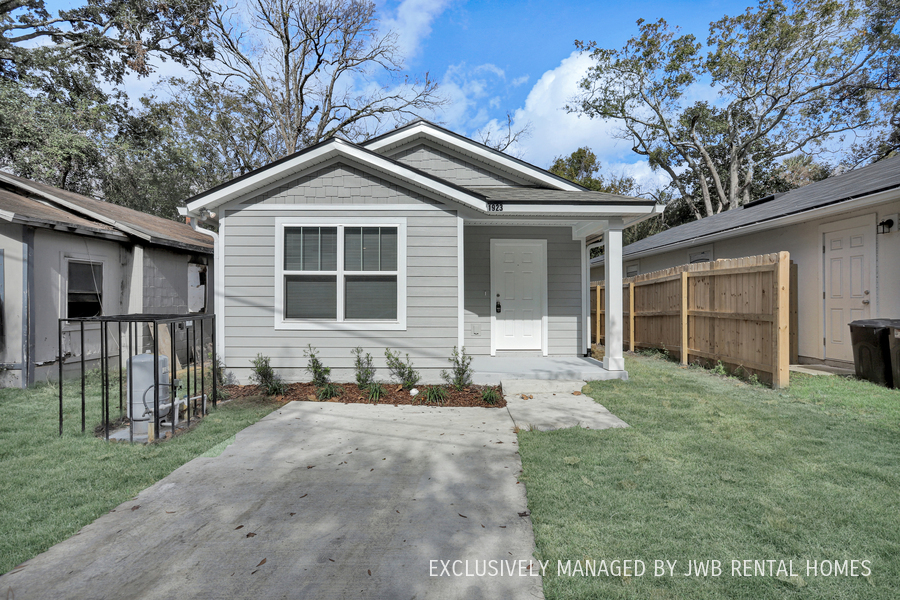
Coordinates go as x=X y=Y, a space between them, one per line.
x=310 y=297
x=370 y=298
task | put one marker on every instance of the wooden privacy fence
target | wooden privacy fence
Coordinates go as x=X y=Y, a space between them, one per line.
x=740 y=311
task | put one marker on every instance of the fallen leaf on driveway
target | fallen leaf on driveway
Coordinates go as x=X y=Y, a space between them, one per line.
x=370 y=572
x=576 y=393
x=135 y=507
x=238 y=527
x=303 y=496
x=524 y=514
x=463 y=516
x=261 y=563
x=292 y=514
x=310 y=397
x=310 y=466
x=251 y=534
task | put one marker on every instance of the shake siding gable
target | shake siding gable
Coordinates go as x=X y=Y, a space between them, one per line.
x=453 y=168
x=338 y=184
x=249 y=264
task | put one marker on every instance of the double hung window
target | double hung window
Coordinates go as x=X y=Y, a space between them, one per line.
x=343 y=276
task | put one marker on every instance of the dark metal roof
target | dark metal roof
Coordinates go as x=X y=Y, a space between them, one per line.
x=881 y=176
x=62 y=206
x=529 y=195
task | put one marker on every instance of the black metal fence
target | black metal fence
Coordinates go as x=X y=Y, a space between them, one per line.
x=137 y=335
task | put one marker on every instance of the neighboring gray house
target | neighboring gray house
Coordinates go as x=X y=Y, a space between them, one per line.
x=418 y=240
x=64 y=254
x=841 y=232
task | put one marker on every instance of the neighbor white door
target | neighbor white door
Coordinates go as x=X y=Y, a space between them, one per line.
x=518 y=293
x=847 y=286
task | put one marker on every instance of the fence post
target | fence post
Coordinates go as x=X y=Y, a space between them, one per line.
x=631 y=335
x=781 y=323
x=684 y=317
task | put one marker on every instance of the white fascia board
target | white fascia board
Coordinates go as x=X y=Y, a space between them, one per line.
x=473 y=148
x=322 y=153
x=862 y=202
x=570 y=210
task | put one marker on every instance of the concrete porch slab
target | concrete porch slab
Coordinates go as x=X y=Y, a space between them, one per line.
x=822 y=370
x=490 y=370
x=547 y=405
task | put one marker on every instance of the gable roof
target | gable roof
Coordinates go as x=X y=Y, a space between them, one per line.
x=420 y=129
x=770 y=212
x=54 y=207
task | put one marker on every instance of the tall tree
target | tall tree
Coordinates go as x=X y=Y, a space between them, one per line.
x=109 y=37
x=781 y=72
x=313 y=70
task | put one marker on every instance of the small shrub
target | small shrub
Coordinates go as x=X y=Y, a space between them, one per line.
x=460 y=375
x=435 y=394
x=375 y=392
x=315 y=367
x=365 y=370
x=719 y=369
x=264 y=376
x=328 y=390
x=490 y=395
x=402 y=372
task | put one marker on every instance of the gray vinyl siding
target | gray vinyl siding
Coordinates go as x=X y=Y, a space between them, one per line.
x=432 y=311
x=452 y=168
x=564 y=291
x=338 y=184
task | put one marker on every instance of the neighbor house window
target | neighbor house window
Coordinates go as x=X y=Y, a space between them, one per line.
x=342 y=276
x=85 y=289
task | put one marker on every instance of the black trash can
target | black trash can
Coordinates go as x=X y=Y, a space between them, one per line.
x=871 y=350
x=894 y=337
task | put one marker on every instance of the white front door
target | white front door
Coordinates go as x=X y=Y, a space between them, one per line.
x=518 y=293
x=847 y=287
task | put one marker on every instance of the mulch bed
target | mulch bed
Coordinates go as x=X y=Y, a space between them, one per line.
x=470 y=396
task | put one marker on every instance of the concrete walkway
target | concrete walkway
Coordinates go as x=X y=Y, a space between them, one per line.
x=323 y=500
x=547 y=405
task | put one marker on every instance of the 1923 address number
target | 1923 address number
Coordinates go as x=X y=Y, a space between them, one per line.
x=495 y=207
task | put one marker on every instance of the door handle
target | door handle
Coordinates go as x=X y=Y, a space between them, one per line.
x=864 y=302
x=498 y=306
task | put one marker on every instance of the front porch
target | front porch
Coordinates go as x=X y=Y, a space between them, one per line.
x=490 y=370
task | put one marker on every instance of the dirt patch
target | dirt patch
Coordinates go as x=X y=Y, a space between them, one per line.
x=396 y=395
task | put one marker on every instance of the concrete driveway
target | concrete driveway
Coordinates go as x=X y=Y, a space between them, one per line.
x=317 y=500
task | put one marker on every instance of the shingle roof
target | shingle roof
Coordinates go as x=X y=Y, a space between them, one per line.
x=63 y=207
x=528 y=195
x=31 y=210
x=881 y=176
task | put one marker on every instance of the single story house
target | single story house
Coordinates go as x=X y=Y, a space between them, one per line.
x=419 y=240
x=842 y=233
x=66 y=255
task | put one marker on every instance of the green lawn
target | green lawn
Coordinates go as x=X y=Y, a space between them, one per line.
x=713 y=468
x=53 y=486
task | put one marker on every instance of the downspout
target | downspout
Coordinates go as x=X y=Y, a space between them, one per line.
x=218 y=287
x=27 y=373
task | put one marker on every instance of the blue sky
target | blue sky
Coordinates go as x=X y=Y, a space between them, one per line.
x=491 y=57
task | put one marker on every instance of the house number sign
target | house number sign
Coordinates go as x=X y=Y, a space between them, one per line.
x=495 y=207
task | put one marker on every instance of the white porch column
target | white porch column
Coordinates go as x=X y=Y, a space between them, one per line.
x=613 y=359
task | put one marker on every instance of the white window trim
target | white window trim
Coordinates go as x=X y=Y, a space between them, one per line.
x=65 y=259
x=340 y=325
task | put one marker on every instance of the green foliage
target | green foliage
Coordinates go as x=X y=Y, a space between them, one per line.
x=403 y=372
x=320 y=373
x=328 y=390
x=375 y=392
x=491 y=395
x=788 y=77
x=719 y=369
x=435 y=394
x=365 y=370
x=460 y=375
x=264 y=376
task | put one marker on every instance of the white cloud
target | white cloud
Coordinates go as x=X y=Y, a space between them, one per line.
x=412 y=23
x=555 y=132
x=520 y=80
x=470 y=93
